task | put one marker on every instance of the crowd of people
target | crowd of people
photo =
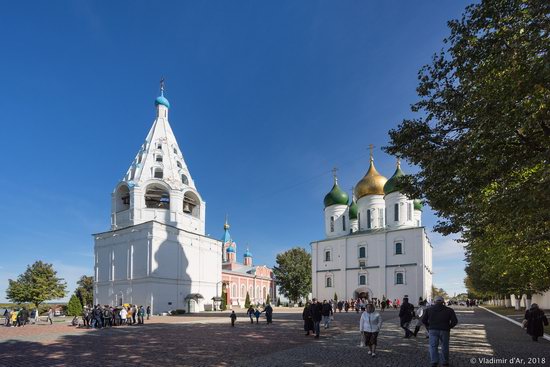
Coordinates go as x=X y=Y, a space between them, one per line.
x=437 y=319
x=18 y=317
x=109 y=316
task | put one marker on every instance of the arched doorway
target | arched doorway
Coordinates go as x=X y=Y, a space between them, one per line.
x=363 y=293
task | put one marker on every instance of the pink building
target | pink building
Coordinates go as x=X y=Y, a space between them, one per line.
x=239 y=278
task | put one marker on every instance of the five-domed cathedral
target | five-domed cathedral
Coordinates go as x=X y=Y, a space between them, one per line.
x=156 y=252
x=375 y=244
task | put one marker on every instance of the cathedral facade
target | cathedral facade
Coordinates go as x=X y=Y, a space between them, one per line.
x=375 y=245
x=156 y=252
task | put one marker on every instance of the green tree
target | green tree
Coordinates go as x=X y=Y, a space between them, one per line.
x=439 y=292
x=74 y=308
x=335 y=298
x=268 y=299
x=37 y=284
x=85 y=290
x=481 y=138
x=293 y=273
x=223 y=304
x=247 y=301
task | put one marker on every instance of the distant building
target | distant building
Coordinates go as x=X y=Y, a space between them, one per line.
x=240 y=278
x=375 y=245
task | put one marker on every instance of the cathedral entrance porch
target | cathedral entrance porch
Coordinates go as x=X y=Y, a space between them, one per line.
x=363 y=293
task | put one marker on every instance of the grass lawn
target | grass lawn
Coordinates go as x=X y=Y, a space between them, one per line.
x=507 y=311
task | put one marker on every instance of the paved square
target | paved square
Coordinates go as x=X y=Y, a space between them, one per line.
x=209 y=340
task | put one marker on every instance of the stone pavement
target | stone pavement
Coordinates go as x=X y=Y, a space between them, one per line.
x=209 y=340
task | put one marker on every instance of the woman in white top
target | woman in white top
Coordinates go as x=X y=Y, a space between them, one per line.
x=369 y=326
x=123 y=314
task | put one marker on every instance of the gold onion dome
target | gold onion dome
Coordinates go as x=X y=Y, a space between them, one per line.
x=372 y=184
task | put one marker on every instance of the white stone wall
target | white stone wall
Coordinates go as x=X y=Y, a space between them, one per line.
x=339 y=213
x=376 y=205
x=158 y=265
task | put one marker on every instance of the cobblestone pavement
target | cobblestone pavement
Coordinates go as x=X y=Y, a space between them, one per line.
x=209 y=340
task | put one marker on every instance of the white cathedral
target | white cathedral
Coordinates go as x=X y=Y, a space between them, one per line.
x=156 y=252
x=375 y=246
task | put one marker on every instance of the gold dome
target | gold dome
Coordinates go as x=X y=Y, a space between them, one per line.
x=372 y=184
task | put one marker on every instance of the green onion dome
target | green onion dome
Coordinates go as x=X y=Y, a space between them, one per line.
x=392 y=185
x=336 y=196
x=353 y=210
x=417 y=204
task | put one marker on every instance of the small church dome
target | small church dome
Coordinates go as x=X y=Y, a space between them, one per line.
x=392 y=185
x=371 y=184
x=247 y=253
x=230 y=249
x=336 y=196
x=162 y=100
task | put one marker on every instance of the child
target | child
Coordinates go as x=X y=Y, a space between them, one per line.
x=257 y=314
x=233 y=318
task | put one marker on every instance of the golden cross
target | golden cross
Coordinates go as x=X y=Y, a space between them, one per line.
x=334 y=170
x=162 y=84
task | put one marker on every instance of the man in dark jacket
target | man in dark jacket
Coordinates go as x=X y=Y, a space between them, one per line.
x=406 y=313
x=269 y=313
x=326 y=311
x=439 y=320
x=317 y=316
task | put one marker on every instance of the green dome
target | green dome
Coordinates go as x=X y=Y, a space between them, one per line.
x=336 y=196
x=392 y=184
x=353 y=210
x=417 y=204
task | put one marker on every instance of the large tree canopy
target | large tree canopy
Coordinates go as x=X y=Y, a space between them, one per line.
x=482 y=141
x=37 y=284
x=85 y=290
x=293 y=273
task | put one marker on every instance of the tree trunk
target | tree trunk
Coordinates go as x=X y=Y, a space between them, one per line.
x=507 y=302
x=516 y=303
x=528 y=300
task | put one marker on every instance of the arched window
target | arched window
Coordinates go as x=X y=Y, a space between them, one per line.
x=159 y=145
x=362 y=279
x=362 y=252
x=234 y=291
x=343 y=223
x=158 y=158
x=328 y=282
x=332 y=224
x=175 y=151
x=396 y=212
x=178 y=163
x=158 y=173
x=157 y=197
x=368 y=219
x=242 y=291
x=122 y=199
x=399 y=278
x=191 y=204
x=399 y=248
x=264 y=294
x=184 y=179
x=327 y=255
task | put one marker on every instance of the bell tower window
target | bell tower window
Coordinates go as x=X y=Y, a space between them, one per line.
x=158 y=158
x=157 y=197
x=178 y=163
x=184 y=179
x=396 y=212
x=158 y=173
x=368 y=219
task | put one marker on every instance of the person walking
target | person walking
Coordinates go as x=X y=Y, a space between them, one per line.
x=534 y=322
x=369 y=326
x=317 y=316
x=6 y=317
x=134 y=313
x=50 y=315
x=406 y=314
x=308 y=319
x=141 y=314
x=419 y=313
x=148 y=312
x=123 y=315
x=107 y=315
x=269 y=314
x=233 y=317
x=439 y=320
x=250 y=313
x=326 y=311
x=257 y=314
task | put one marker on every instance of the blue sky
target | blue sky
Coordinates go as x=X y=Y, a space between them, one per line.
x=266 y=98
